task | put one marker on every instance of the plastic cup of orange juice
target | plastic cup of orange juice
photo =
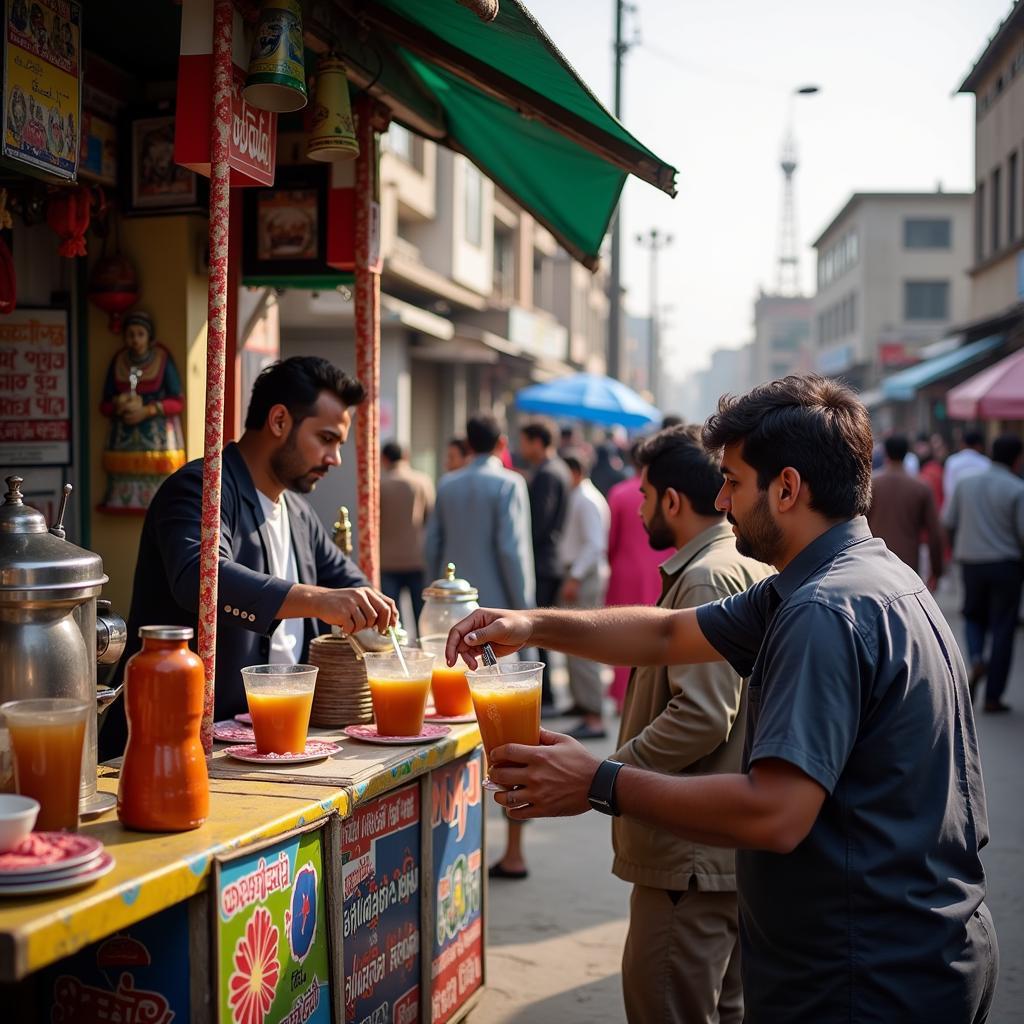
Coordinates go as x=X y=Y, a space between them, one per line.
x=47 y=734
x=507 y=702
x=399 y=696
x=448 y=685
x=280 y=698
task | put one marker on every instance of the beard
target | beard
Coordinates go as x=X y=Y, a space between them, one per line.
x=759 y=537
x=659 y=536
x=288 y=465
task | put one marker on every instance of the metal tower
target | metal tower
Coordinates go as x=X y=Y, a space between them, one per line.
x=787 y=280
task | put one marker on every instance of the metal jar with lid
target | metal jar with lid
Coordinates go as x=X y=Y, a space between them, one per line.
x=445 y=602
x=49 y=629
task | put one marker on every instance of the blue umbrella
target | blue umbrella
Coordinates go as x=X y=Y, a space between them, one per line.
x=590 y=397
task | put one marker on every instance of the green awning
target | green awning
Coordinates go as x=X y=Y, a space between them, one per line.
x=512 y=104
x=903 y=386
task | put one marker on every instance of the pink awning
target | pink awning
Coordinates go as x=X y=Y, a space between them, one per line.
x=994 y=394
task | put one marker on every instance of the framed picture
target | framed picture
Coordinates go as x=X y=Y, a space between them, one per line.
x=285 y=226
x=156 y=183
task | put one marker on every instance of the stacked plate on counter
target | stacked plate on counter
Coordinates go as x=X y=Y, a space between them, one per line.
x=46 y=862
x=342 y=695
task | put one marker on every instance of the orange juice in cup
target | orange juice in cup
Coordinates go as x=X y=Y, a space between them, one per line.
x=46 y=740
x=399 y=692
x=448 y=685
x=507 y=702
x=280 y=698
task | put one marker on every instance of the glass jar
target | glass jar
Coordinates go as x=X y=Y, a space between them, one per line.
x=164 y=783
x=445 y=602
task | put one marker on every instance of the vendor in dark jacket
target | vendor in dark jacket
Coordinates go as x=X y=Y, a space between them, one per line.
x=282 y=581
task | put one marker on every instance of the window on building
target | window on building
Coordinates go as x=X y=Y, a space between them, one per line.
x=927 y=233
x=473 y=205
x=979 y=222
x=997 y=209
x=400 y=142
x=925 y=300
x=1012 y=183
x=504 y=266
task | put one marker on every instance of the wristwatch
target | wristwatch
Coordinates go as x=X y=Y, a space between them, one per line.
x=602 y=787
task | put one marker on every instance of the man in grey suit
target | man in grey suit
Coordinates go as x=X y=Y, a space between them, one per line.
x=481 y=522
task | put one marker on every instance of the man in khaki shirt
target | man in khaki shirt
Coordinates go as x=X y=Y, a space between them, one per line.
x=681 y=961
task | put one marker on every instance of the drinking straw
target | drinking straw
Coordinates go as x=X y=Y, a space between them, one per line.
x=398 y=651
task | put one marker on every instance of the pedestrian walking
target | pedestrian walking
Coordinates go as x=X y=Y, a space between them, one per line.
x=859 y=816
x=681 y=963
x=634 y=575
x=481 y=522
x=986 y=520
x=902 y=509
x=549 y=504
x=968 y=461
x=609 y=469
x=406 y=501
x=583 y=555
x=456 y=454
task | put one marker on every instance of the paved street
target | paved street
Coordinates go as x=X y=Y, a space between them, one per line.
x=555 y=939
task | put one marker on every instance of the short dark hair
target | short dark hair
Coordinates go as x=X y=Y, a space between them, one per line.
x=483 y=431
x=538 y=430
x=974 y=439
x=296 y=384
x=1006 y=449
x=393 y=451
x=671 y=419
x=460 y=443
x=896 y=447
x=675 y=457
x=814 y=424
x=578 y=461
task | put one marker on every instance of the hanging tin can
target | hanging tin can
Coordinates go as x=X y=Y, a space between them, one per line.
x=332 y=132
x=276 y=80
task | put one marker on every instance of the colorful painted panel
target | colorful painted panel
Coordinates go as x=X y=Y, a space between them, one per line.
x=139 y=974
x=381 y=927
x=272 y=946
x=457 y=823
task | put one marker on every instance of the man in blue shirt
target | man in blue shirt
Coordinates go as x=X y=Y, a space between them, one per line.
x=860 y=811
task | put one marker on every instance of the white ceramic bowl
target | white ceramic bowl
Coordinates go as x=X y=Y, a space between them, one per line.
x=17 y=818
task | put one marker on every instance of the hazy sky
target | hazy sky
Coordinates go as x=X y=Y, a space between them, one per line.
x=708 y=90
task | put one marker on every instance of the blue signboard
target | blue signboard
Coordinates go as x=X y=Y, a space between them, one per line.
x=380 y=850
x=457 y=823
x=139 y=974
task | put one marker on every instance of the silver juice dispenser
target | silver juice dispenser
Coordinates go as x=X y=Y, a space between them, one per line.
x=51 y=636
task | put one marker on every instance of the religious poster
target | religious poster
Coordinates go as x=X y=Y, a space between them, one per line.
x=456 y=824
x=42 y=109
x=381 y=909
x=35 y=388
x=288 y=224
x=140 y=973
x=271 y=943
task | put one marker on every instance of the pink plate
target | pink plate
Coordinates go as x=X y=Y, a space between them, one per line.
x=232 y=732
x=245 y=718
x=433 y=716
x=316 y=750
x=369 y=734
x=68 y=880
x=42 y=852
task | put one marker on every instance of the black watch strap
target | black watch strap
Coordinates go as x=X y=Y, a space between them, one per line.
x=602 y=787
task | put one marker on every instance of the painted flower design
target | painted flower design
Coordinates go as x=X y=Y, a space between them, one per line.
x=253 y=983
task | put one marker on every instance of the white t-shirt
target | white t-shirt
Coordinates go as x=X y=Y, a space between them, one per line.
x=286 y=643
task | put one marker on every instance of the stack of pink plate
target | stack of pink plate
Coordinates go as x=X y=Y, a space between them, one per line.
x=45 y=862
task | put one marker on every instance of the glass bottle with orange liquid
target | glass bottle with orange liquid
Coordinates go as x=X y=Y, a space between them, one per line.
x=164 y=784
x=46 y=741
x=507 y=702
x=449 y=686
x=399 y=693
x=280 y=698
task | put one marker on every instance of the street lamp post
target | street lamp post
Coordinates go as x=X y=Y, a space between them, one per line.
x=654 y=241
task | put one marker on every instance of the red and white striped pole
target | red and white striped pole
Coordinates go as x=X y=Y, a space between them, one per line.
x=216 y=343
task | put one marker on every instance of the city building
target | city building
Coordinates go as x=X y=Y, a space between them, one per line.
x=891 y=271
x=730 y=372
x=782 y=336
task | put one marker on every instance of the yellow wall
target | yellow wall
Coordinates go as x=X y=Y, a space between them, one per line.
x=166 y=252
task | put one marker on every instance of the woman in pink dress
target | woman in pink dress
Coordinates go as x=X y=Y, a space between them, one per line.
x=634 y=577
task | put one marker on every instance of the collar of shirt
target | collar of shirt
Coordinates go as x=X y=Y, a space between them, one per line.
x=483 y=460
x=682 y=557
x=821 y=550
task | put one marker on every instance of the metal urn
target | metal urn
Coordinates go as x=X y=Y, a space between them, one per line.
x=51 y=635
x=445 y=602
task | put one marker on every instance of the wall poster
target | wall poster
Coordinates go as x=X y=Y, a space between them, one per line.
x=42 y=85
x=271 y=938
x=456 y=823
x=380 y=849
x=35 y=388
